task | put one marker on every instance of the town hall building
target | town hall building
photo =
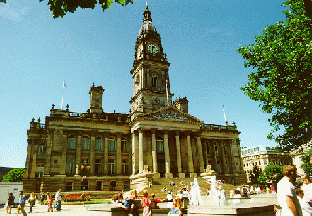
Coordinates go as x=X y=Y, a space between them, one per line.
x=96 y=150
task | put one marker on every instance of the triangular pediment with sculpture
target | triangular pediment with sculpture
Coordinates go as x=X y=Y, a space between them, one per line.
x=169 y=113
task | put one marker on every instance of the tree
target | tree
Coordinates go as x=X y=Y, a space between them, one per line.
x=59 y=8
x=14 y=175
x=272 y=173
x=255 y=174
x=282 y=76
x=307 y=162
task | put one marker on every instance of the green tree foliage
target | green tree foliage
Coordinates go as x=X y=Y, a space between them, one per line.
x=14 y=175
x=306 y=164
x=255 y=174
x=272 y=173
x=282 y=76
x=59 y=8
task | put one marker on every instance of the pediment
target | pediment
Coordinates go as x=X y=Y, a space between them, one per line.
x=170 y=114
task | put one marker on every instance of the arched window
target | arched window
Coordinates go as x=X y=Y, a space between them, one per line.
x=160 y=144
x=85 y=143
x=154 y=81
x=71 y=142
x=112 y=144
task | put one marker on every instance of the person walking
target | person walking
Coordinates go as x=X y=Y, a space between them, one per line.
x=42 y=198
x=32 y=201
x=49 y=202
x=146 y=203
x=10 y=203
x=286 y=192
x=58 y=200
x=83 y=196
x=21 y=203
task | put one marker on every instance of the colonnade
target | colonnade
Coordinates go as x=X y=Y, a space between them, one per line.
x=139 y=140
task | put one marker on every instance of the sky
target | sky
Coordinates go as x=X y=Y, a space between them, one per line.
x=200 y=38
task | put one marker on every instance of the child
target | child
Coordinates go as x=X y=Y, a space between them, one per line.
x=146 y=202
x=176 y=206
x=49 y=202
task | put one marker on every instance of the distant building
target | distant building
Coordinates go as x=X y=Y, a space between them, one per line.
x=296 y=157
x=262 y=156
x=95 y=150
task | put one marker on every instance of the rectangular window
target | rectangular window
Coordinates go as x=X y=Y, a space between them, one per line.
x=111 y=166
x=71 y=143
x=111 y=145
x=124 y=166
x=98 y=144
x=160 y=146
x=97 y=166
x=41 y=151
x=85 y=143
x=70 y=167
x=123 y=145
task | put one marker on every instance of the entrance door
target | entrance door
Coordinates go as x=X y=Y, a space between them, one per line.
x=161 y=167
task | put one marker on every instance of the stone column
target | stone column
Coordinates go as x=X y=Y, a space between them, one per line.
x=92 y=155
x=47 y=164
x=179 y=162
x=118 y=155
x=154 y=155
x=167 y=155
x=78 y=155
x=134 y=164
x=190 y=155
x=141 y=162
x=105 y=162
x=64 y=143
x=200 y=154
x=34 y=161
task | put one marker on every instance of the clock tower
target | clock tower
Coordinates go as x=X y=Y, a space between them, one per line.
x=151 y=84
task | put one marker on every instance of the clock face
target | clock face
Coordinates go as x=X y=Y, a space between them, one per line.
x=152 y=48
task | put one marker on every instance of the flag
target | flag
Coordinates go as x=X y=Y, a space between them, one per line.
x=224 y=114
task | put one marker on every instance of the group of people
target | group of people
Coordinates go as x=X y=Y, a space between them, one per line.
x=32 y=200
x=294 y=200
x=148 y=204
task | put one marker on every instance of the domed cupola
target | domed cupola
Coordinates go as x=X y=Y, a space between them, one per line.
x=147 y=22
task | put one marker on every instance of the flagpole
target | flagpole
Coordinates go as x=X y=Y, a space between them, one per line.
x=64 y=85
x=167 y=92
x=224 y=114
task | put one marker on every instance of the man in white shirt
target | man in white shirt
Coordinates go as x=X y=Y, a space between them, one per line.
x=286 y=192
x=58 y=199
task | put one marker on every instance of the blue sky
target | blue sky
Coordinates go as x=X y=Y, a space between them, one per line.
x=199 y=37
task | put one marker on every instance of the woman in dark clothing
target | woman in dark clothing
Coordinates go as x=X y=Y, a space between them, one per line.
x=10 y=203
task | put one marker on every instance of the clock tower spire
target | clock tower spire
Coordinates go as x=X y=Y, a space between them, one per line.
x=151 y=84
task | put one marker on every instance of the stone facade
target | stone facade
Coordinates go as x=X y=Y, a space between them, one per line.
x=103 y=151
x=262 y=156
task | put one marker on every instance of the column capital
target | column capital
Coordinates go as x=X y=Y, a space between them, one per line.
x=140 y=130
x=153 y=130
x=177 y=133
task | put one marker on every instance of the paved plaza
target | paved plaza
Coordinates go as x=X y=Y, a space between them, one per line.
x=100 y=209
x=75 y=210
